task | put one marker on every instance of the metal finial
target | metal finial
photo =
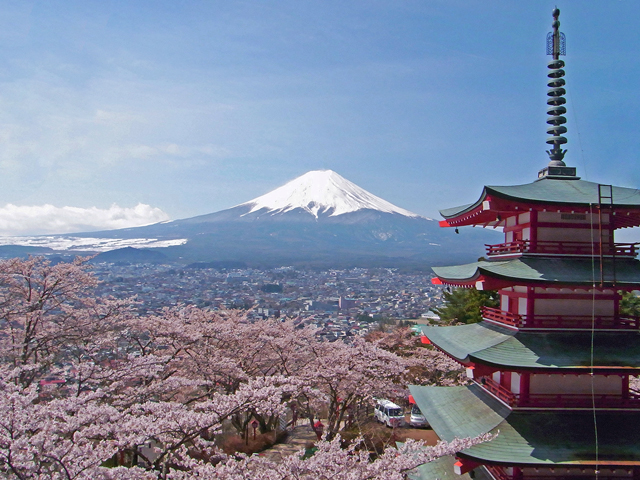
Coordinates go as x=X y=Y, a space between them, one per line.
x=556 y=46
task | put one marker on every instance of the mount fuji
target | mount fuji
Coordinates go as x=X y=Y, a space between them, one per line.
x=321 y=193
x=317 y=219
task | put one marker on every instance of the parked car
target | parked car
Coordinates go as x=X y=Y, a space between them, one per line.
x=389 y=413
x=417 y=419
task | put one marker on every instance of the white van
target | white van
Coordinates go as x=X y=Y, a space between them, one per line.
x=389 y=413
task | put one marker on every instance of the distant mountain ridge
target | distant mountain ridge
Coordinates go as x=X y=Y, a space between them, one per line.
x=319 y=218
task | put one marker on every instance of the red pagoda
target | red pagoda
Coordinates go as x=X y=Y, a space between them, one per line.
x=550 y=369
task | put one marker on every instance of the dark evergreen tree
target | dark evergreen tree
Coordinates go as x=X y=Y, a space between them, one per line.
x=463 y=305
x=630 y=304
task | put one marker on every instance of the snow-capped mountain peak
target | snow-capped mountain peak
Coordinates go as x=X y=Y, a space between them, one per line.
x=321 y=192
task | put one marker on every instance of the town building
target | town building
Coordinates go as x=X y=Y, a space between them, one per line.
x=550 y=369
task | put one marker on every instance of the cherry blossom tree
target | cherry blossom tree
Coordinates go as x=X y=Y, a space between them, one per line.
x=88 y=389
x=330 y=462
x=346 y=375
x=425 y=364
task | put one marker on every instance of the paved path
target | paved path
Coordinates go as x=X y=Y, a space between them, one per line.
x=297 y=440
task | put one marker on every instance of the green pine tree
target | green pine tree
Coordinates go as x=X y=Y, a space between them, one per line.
x=463 y=305
x=630 y=304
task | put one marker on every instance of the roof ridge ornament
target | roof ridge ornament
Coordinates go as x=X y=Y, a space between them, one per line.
x=556 y=46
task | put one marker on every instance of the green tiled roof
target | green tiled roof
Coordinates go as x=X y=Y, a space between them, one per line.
x=442 y=469
x=453 y=211
x=529 y=438
x=545 y=270
x=563 y=438
x=459 y=411
x=462 y=340
x=552 y=191
x=492 y=345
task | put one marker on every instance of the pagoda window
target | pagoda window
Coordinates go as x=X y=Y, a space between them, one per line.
x=542 y=384
x=518 y=228
x=573 y=218
x=578 y=307
x=517 y=235
x=571 y=228
x=564 y=234
x=509 y=237
x=510 y=304
x=515 y=383
x=505 y=380
x=552 y=301
x=504 y=302
x=511 y=294
x=522 y=306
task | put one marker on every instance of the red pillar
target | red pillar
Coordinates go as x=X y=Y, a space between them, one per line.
x=531 y=299
x=533 y=226
x=524 y=388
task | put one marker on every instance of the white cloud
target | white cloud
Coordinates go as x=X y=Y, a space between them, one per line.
x=89 y=244
x=46 y=219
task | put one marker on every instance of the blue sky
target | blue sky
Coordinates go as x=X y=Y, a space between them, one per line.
x=142 y=111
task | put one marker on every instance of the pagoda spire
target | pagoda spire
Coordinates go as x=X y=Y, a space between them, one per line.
x=556 y=46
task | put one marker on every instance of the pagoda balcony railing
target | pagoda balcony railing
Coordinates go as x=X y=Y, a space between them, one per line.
x=504 y=394
x=626 y=322
x=563 y=400
x=508 y=318
x=562 y=248
x=571 y=400
x=498 y=473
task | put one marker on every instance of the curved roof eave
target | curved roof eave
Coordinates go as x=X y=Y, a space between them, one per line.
x=461 y=341
x=488 y=344
x=567 y=192
x=542 y=439
x=544 y=270
x=547 y=439
x=550 y=191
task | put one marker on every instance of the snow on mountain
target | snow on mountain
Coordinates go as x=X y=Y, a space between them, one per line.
x=321 y=192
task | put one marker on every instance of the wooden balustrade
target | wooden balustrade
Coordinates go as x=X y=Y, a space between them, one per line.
x=564 y=400
x=498 y=473
x=507 y=318
x=498 y=390
x=562 y=248
x=569 y=400
x=561 y=321
x=583 y=321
